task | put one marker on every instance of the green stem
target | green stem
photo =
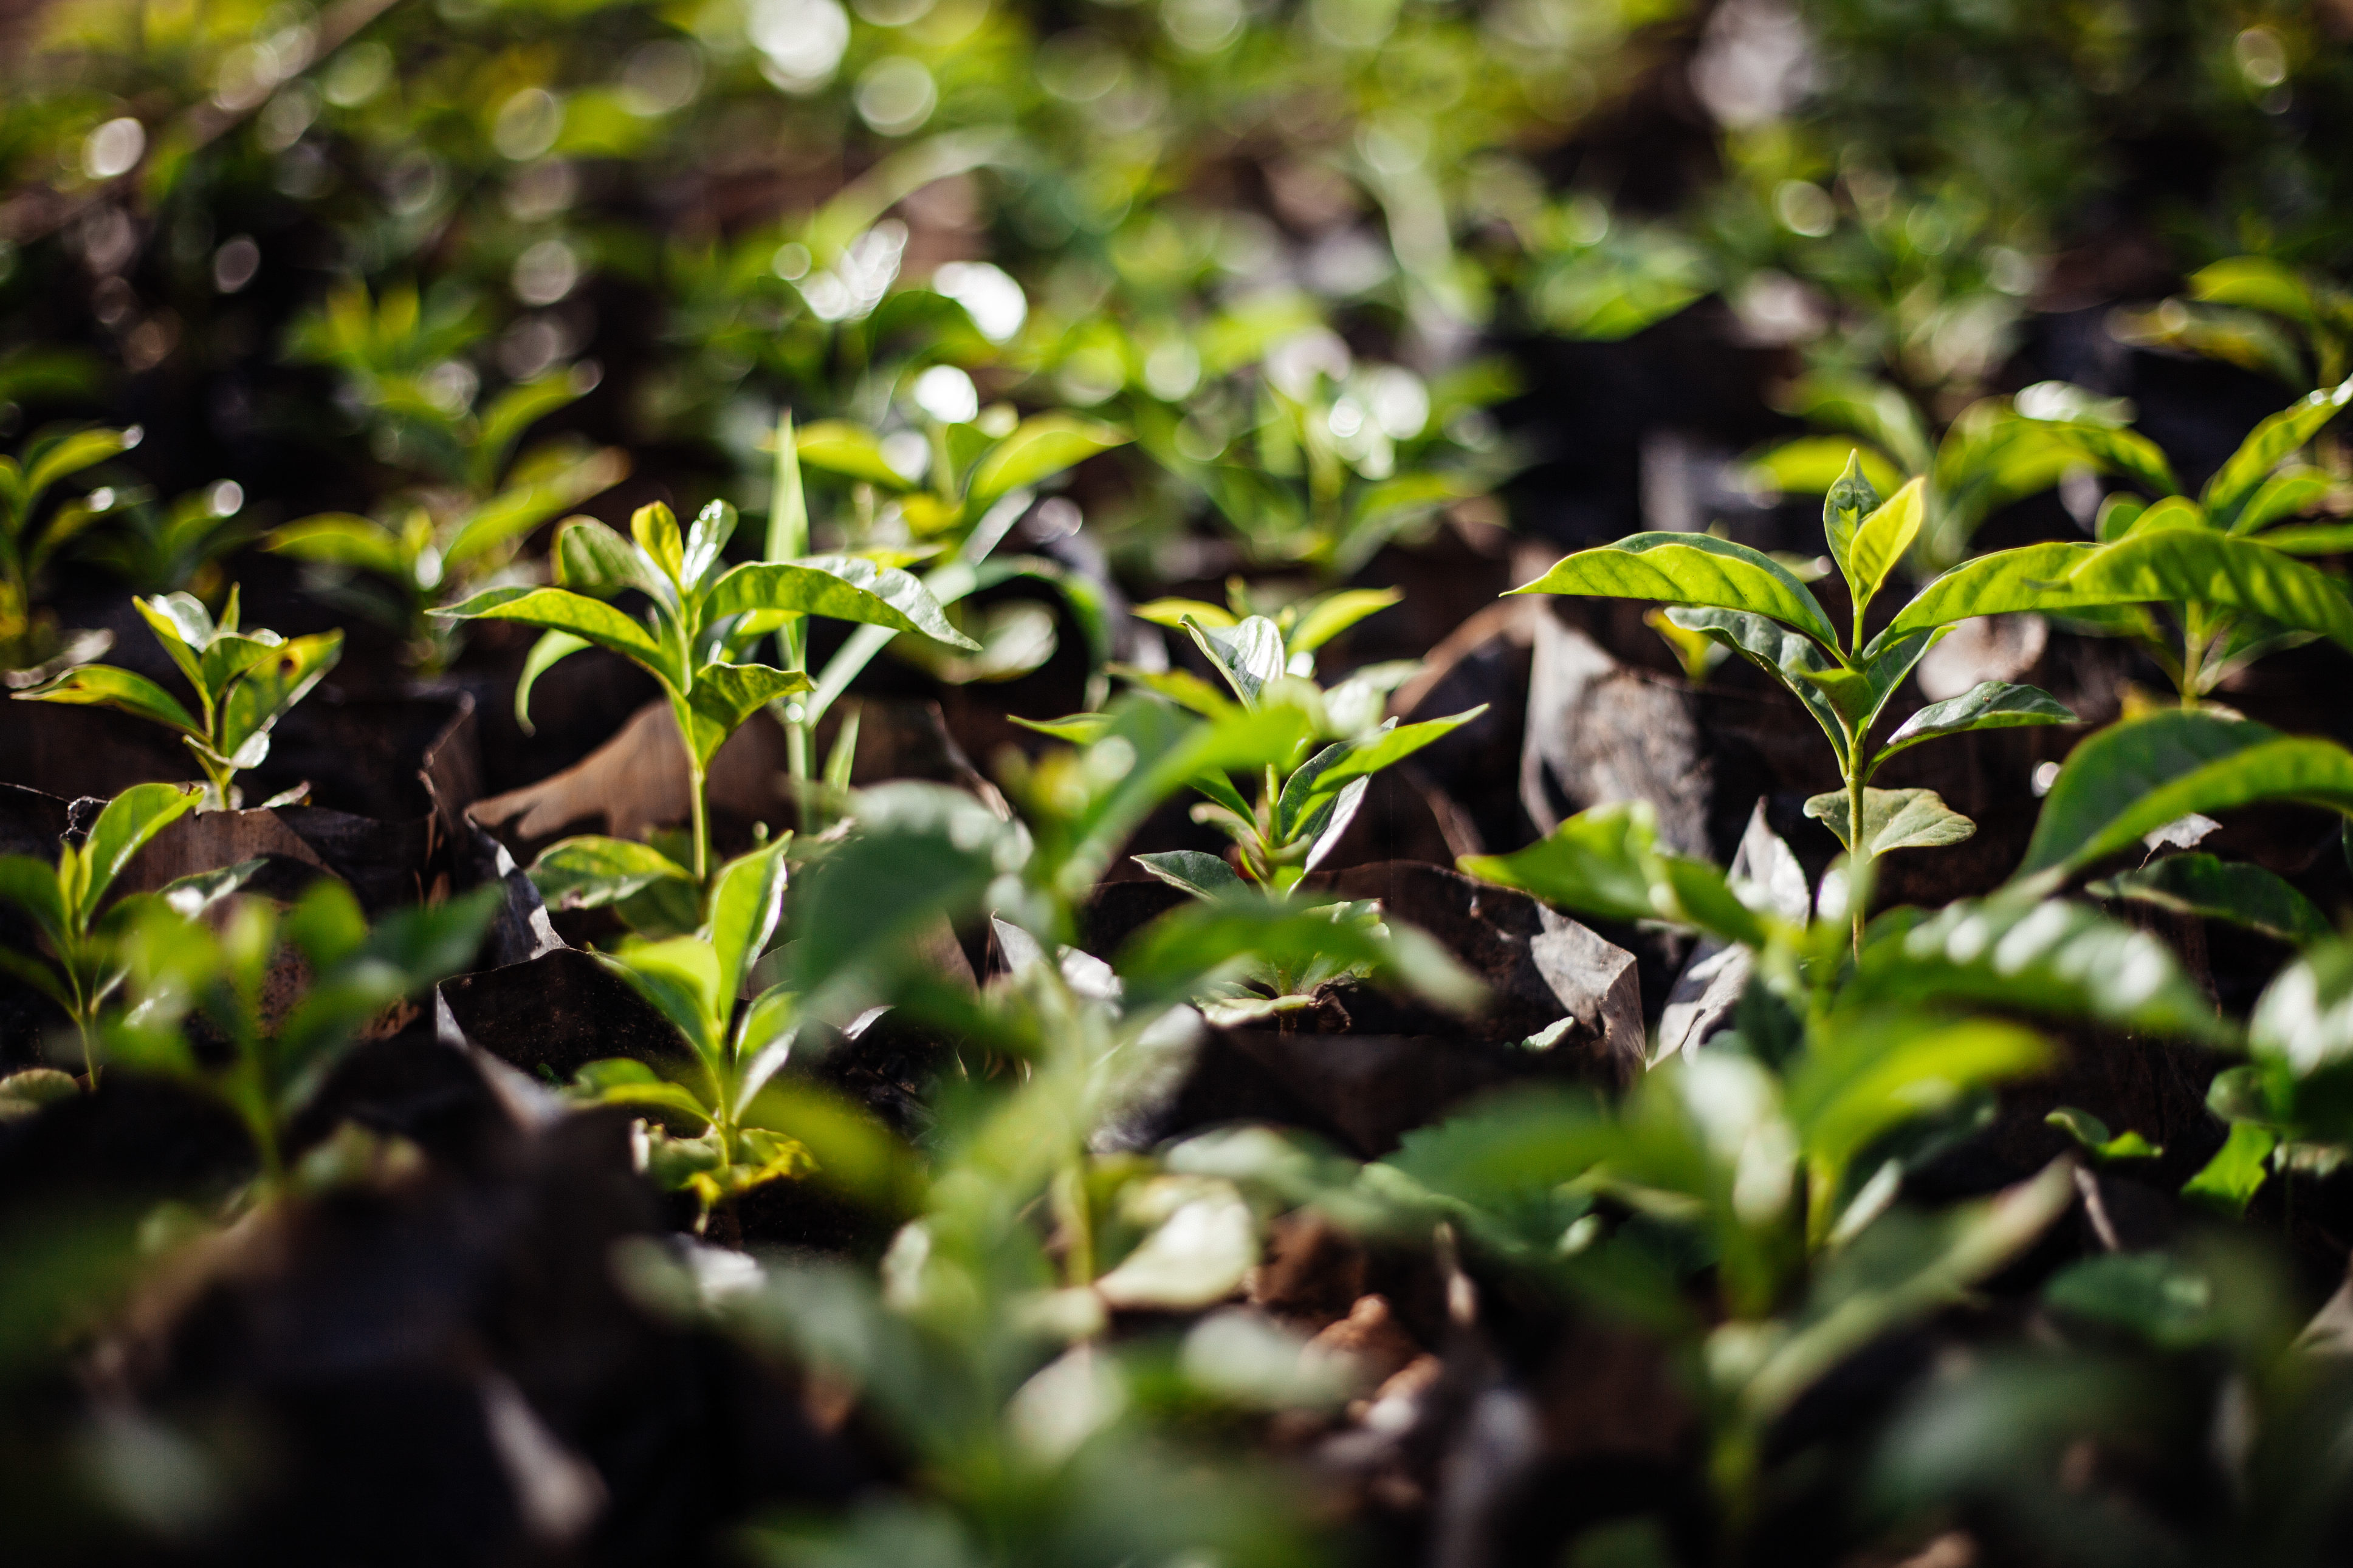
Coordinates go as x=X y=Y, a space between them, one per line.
x=701 y=821
x=1858 y=850
x=2194 y=637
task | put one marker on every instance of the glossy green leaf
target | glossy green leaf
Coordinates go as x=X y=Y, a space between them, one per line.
x=654 y=528
x=2303 y=1020
x=1038 y=448
x=2034 y=577
x=1324 y=774
x=837 y=588
x=1185 y=952
x=1691 y=569
x=2311 y=539
x=1248 y=655
x=2268 y=445
x=590 y=870
x=1605 y=862
x=1790 y=657
x=747 y=900
x=2133 y=777
x=273 y=684
x=1857 y=695
x=725 y=695
x=81 y=449
x=2201 y=885
x=681 y=977
x=2184 y=565
x=550 y=649
x=1203 y=876
x=2054 y=959
x=560 y=610
x=1882 y=539
x=123 y=828
x=104 y=685
x=1849 y=498
x=1989 y=705
x=713 y=526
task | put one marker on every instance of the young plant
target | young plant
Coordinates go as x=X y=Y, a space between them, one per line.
x=1999 y=450
x=280 y=1050
x=1304 y=804
x=702 y=615
x=2224 y=564
x=30 y=536
x=451 y=539
x=1754 y=606
x=160 y=547
x=719 y=1148
x=85 y=964
x=244 y=682
x=2253 y=312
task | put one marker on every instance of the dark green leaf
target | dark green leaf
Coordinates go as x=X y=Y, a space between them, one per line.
x=745 y=900
x=1605 y=862
x=2133 y=777
x=2144 y=1293
x=1248 y=655
x=1324 y=774
x=1849 y=500
x=2230 y=890
x=123 y=828
x=1789 y=657
x=2091 y=1134
x=725 y=695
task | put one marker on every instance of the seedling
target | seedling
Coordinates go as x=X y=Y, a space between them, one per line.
x=452 y=539
x=84 y=963
x=2223 y=564
x=692 y=634
x=1997 y=451
x=1754 y=606
x=695 y=981
x=280 y=1050
x=1302 y=809
x=31 y=537
x=245 y=682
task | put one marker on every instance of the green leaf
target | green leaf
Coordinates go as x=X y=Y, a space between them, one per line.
x=2311 y=539
x=2193 y=565
x=342 y=540
x=2268 y=445
x=2288 y=493
x=590 y=558
x=1077 y=728
x=654 y=528
x=1605 y=862
x=2145 y=1293
x=1811 y=465
x=2236 y=1172
x=104 y=685
x=1184 y=953
x=516 y=410
x=839 y=587
x=2201 y=885
x=1892 y=819
x=840 y=447
x=2256 y=283
x=1038 y=448
x=1691 y=569
x=1882 y=539
x=1328 y=617
x=584 y=872
x=725 y=695
x=652 y=1094
x=550 y=649
x=123 y=828
x=1248 y=655
x=1989 y=705
x=33 y=886
x=560 y=610
x=1790 y=657
x=2118 y=451
x=80 y=450
x=2303 y=1020
x=1203 y=876
x=2135 y=776
x=1857 y=695
x=2053 y=958
x=1849 y=498
x=515 y=512
x=681 y=977
x=713 y=526
x=745 y=902
x=1324 y=774
x=2091 y=1134
x=1862 y=1077
x=273 y=684
x=1171 y=613
x=2036 y=577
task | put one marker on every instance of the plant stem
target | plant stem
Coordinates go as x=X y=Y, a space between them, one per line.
x=1858 y=853
x=702 y=820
